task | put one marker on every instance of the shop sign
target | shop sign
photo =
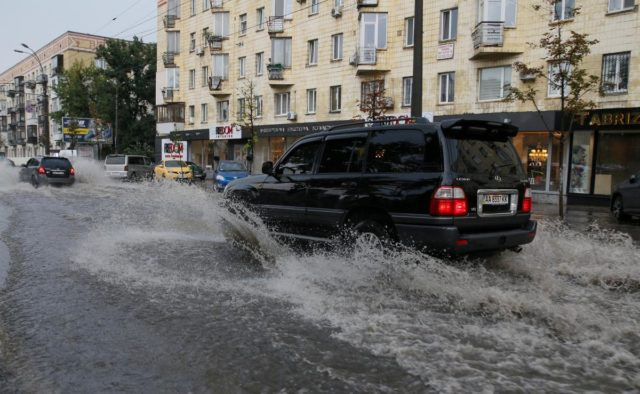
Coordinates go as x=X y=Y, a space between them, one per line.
x=607 y=118
x=228 y=132
x=444 y=51
x=297 y=129
x=392 y=119
x=174 y=150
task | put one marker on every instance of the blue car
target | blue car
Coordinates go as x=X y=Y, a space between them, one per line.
x=226 y=172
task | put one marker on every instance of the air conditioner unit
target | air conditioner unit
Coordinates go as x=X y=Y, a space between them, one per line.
x=292 y=116
x=336 y=11
x=388 y=102
x=200 y=51
x=527 y=77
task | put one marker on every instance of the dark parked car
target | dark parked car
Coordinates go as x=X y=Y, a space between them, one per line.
x=198 y=172
x=48 y=171
x=457 y=186
x=625 y=199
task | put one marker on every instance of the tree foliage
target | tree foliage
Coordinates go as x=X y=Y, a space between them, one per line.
x=127 y=82
x=374 y=101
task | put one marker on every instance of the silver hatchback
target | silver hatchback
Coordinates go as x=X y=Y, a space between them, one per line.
x=128 y=167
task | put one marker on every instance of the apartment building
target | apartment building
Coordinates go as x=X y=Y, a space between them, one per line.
x=27 y=87
x=313 y=62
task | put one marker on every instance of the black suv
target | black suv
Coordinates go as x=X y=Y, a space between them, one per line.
x=456 y=186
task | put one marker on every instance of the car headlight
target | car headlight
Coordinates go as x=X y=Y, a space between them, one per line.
x=219 y=178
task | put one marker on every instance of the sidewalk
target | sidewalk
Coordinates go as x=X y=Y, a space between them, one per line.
x=579 y=217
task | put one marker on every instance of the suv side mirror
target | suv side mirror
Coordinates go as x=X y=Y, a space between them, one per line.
x=267 y=168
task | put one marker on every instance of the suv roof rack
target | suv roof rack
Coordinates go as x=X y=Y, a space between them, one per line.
x=392 y=121
x=478 y=127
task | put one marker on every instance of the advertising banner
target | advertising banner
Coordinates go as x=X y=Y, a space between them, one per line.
x=174 y=150
x=228 y=132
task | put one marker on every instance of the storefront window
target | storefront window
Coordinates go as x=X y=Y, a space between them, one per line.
x=554 y=179
x=618 y=157
x=581 y=158
x=540 y=158
x=276 y=148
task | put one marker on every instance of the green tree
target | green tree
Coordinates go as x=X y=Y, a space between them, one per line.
x=563 y=58
x=247 y=114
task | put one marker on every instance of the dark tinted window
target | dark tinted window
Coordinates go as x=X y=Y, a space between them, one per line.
x=175 y=163
x=345 y=155
x=56 y=162
x=232 y=166
x=33 y=163
x=404 y=151
x=473 y=156
x=134 y=160
x=115 y=159
x=300 y=160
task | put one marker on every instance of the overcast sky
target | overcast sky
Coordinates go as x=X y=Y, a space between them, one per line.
x=36 y=22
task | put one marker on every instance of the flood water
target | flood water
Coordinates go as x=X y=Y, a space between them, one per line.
x=109 y=286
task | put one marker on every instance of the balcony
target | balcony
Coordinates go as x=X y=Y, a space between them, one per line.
x=30 y=85
x=168 y=94
x=216 y=5
x=11 y=93
x=11 y=138
x=489 y=41
x=169 y=21
x=168 y=58
x=169 y=118
x=369 y=60
x=32 y=134
x=275 y=24
x=215 y=42
x=218 y=86
x=367 y=3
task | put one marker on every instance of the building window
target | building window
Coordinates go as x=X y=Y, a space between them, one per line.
x=173 y=78
x=615 y=72
x=205 y=33
x=258 y=106
x=495 y=83
x=260 y=18
x=192 y=8
x=243 y=24
x=221 y=66
x=223 y=111
x=409 y=31
x=205 y=76
x=449 y=24
x=241 y=109
x=281 y=51
x=336 y=46
x=498 y=11
x=192 y=114
x=555 y=75
x=192 y=79
x=259 y=63
x=311 y=101
x=338 y=3
x=447 y=87
x=281 y=104
x=335 y=98
x=620 y=5
x=563 y=9
x=241 y=66
x=221 y=24
x=407 y=91
x=192 y=42
x=282 y=8
x=315 y=7
x=173 y=42
x=204 y=112
x=369 y=91
x=373 y=30
x=205 y=5
x=173 y=8
x=312 y=52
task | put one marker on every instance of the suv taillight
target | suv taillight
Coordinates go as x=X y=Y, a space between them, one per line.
x=41 y=170
x=527 y=202
x=449 y=201
x=72 y=171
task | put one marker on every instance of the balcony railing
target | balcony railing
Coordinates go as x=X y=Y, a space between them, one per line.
x=169 y=21
x=168 y=58
x=276 y=72
x=215 y=42
x=216 y=4
x=367 y=3
x=275 y=24
x=171 y=113
x=488 y=34
x=364 y=56
x=168 y=94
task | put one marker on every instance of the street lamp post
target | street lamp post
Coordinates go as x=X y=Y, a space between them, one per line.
x=45 y=98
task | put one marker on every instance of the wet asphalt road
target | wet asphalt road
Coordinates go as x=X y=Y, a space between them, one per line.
x=135 y=288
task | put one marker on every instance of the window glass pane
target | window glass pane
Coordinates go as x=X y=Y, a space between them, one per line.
x=475 y=156
x=343 y=156
x=490 y=83
x=300 y=161
x=403 y=151
x=581 y=158
x=510 y=13
x=618 y=157
x=454 y=23
x=382 y=31
x=445 y=25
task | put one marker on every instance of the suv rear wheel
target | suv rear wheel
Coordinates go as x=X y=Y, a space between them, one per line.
x=372 y=230
x=617 y=209
x=34 y=182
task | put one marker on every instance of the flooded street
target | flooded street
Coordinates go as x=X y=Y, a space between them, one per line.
x=110 y=286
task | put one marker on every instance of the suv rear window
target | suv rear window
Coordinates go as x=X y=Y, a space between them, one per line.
x=115 y=160
x=56 y=163
x=401 y=151
x=136 y=160
x=474 y=156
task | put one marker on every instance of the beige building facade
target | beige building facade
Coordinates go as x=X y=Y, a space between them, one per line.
x=312 y=63
x=27 y=86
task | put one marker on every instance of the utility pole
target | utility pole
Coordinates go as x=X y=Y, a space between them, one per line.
x=115 y=131
x=416 y=86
